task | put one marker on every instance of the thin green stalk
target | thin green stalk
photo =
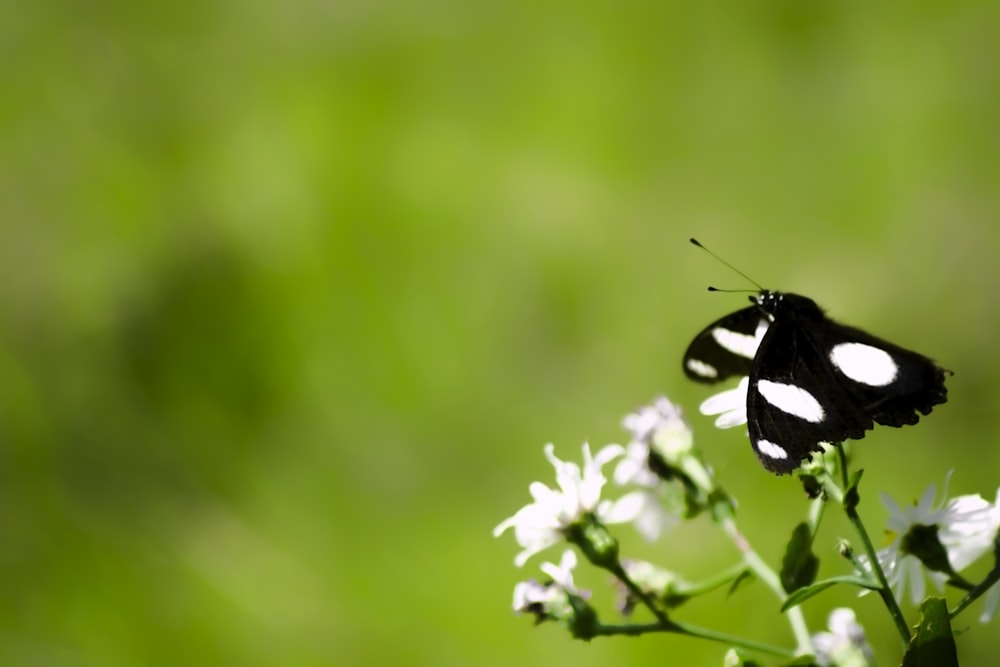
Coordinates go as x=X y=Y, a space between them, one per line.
x=711 y=583
x=768 y=576
x=885 y=592
x=619 y=572
x=991 y=579
x=692 y=631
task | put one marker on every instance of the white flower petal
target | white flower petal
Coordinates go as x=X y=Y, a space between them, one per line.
x=633 y=468
x=625 y=508
x=730 y=405
x=926 y=503
x=915 y=575
x=562 y=574
x=991 y=604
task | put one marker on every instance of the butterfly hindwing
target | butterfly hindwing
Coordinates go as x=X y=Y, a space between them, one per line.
x=891 y=383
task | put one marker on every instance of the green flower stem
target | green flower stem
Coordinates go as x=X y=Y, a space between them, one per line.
x=691 y=589
x=836 y=494
x=992 y=578
x=691 y=631
x=816 y=514
x=619 y=572
x=665 y=624
x=724 y=515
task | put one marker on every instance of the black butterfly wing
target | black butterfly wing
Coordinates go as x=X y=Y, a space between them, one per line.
x=725 y=348
x=917 y=385
x=814 y=380
x=795 y=402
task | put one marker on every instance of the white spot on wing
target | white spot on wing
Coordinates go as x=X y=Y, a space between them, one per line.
x=701 y=368
x=771 y=450
x=865 y=364
x=743 y=345
x=792 y=399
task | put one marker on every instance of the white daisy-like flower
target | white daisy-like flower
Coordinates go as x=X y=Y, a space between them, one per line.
x=644 y=421
x=966 y=527
x=551 y=598
x=992 y=601
x=660 y=427
x=539 y=524
x=845 y=644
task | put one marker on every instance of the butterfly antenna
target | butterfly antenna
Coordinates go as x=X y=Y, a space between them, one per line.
x=713 y=289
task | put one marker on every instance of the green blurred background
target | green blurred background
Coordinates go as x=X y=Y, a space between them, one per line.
x=292 y=294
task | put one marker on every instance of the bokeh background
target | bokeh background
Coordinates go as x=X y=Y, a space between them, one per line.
x=292 y=294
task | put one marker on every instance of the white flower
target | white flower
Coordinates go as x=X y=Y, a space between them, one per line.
x=659 y=426
x=730 y=405
x=845 y=644
x=532 y=596
x=539 y=524
x=992 y=601
x=966 y=527
x=650 y=420
x=552 y=598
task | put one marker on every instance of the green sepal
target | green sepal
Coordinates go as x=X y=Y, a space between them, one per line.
x=852 y=497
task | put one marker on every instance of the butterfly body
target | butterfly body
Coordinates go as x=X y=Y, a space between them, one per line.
x=811 y=379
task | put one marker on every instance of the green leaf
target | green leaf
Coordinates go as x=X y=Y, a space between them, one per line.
x=803 y=594
x=745 y=577
x=800 y=564
x=934 y=644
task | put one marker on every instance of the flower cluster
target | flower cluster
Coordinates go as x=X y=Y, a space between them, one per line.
x=660 y=446
x=663 y=481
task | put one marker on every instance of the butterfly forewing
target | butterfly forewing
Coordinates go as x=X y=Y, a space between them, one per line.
x=725 y=348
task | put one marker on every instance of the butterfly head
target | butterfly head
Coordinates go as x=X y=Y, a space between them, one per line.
x=773 y=304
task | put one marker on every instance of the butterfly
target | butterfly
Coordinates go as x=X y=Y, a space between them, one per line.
x=811 y=380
